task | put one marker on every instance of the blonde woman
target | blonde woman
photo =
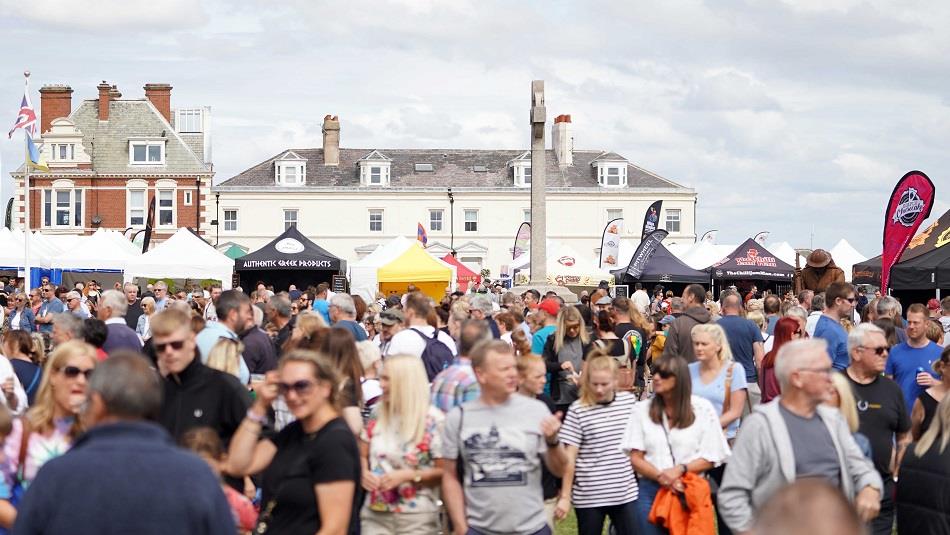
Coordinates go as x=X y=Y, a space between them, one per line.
x=399 y=472
x=225 y=355
x=563 y=354
x=924 y=484
x=599 y=480
x=50 y=426
x=842 y=398
x=143 y=328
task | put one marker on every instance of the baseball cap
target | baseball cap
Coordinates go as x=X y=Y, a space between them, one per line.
x=294 y=295
x=551 y=306
x=667 y=319
x=393 y=301
x=390 y=317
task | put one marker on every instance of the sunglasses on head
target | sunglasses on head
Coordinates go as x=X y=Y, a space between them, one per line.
x=299 y=387
x=73 y=372
x=176 y=345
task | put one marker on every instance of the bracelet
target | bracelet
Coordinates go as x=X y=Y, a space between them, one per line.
x=554 y=444
x=260 y=420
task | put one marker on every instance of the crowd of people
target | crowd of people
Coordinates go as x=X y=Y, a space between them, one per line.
x=159 y=410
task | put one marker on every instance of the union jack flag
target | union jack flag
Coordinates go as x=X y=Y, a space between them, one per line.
x=26 y=119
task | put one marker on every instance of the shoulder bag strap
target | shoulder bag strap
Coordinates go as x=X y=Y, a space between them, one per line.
x=667 y=435
x=36 y=377
x=727 y=395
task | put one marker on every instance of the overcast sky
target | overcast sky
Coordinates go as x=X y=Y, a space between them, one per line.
x=784 y=115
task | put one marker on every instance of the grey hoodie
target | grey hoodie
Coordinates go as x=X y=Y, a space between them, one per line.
x=762 y=462
x=679 y=341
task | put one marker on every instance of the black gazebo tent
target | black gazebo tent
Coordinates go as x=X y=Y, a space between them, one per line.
x=926 y=241
x=290 y=258
x=923 y=272
x=751 y=263
x=664 y=267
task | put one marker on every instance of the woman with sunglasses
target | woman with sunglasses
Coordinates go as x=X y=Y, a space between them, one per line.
x=22 y=317
x=399 y=472
x=564 y=355
x=49 y=427
x=312 y=466
x=786 y=330
x=673 y=434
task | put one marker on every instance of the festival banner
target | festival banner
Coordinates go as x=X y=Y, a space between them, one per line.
x=610 y=244
x=149 y=224
x=910 y=205
x=651 y=219
x=645 y=252
x=522 y=240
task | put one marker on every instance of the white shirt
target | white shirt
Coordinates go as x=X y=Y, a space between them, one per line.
x=6 y=371
x=406 y=342
x=812 y=322
x=702 y=440
x=15 y=320
x=642 y=301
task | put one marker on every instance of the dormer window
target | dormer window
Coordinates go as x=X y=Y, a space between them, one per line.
x=611 y=170
x=375 y=169
x=63 y=151
x=521 y=170
x=290 y=170
x=147 y=152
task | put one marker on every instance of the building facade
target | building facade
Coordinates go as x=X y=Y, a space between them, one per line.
x=110 y=157
x=471 y=201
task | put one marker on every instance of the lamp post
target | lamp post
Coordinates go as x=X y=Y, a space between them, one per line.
x=452 y=222
x=217 y=218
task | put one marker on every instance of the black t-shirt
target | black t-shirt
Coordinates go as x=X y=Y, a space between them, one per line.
x=302 y=461
x=621 y=330
x=882 y=413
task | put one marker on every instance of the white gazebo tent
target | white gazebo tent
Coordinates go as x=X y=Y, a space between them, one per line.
x=183 y=256
x=565 y=267
x=96 y=253
x=846 y=256
x=363 y=275
x=784 y=252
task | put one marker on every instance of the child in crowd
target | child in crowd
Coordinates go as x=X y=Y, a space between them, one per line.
x=204 y=442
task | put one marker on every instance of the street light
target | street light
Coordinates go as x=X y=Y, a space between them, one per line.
x=452 y=221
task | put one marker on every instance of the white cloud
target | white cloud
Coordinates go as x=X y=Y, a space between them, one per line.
x=123 y=15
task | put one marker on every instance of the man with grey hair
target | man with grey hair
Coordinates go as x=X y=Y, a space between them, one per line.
x=112 y=308
x=124 y=395
x=890 y=309
x=66 y=327
x=342 y=312
x=481 y=309
x=881 y=410
x=260 y=355
x=815 y=312
x=794 y=437
x=134 y=310
x=74 y=305
x=161 y=295
x=279 y=315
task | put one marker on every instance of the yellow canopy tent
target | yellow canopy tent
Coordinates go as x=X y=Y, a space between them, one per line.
x=416 y=267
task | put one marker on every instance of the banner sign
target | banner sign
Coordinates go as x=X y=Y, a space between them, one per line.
x=644 y=252
x=909 y=206
x=522 y=240
x=652 y=219
x=149 y=224
x=610 y=244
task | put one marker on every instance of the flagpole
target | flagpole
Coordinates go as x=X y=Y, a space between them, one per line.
x=27 y=279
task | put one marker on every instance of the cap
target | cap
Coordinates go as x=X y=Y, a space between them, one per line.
x=551 y=306
x=933 y=304
x=294 y=295
x=818 y=258
x=605 y=300
x=390 y=317
x=667 y=319
x=393 y=301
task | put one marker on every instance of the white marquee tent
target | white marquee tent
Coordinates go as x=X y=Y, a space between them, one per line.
x=846 y=256
x=98 y=253
x=183 y=256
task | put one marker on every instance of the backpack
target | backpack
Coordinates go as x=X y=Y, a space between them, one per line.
x=436 y=356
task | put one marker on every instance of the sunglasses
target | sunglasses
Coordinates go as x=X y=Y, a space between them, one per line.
x=849 y=299
x=666 y=374
x=300 y=388
x=73 y=372
x=176 y=345
x=880 y=350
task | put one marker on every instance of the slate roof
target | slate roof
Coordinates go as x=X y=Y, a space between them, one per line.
x=451 y=167
x=107 y=142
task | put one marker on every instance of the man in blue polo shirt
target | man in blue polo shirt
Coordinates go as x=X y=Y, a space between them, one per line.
x=320 y=303
x=839 y=304
x=910 y=364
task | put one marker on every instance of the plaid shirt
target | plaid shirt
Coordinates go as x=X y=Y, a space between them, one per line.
x=455 y=385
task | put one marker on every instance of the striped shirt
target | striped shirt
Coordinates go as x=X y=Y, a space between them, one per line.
x=603 y=475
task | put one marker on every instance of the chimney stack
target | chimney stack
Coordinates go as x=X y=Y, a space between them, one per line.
x=331 y=140
x=55 y=101
x=562 y=140
x=114 y=93
x=105 y=97
x=160 y=95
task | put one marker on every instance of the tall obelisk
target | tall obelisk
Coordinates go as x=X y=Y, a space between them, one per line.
x=539 y=272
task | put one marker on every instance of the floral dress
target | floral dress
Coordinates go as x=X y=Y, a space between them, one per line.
x=388 y=453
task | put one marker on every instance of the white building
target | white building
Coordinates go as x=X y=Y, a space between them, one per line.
x=351 y=200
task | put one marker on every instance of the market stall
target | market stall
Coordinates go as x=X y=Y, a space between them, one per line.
x=183 y=256
x=565 y=267
x=752 y=264
x=664 y=268
x=99 y=256
x=414 y=266
x=290 y=258
x=464 y=277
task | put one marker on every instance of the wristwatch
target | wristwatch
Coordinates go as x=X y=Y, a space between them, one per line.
x=417 y=478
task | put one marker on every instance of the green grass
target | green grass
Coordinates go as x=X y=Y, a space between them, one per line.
x=568 y=526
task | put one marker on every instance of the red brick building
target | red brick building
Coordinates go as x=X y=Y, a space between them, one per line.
x=109 y=157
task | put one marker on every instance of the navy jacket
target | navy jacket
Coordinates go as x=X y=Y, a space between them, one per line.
x=125 y=477
x=121 y=337
x=27 y=319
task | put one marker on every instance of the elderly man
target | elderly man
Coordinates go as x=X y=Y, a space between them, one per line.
x=343 y=314
x=794 y=437
x=881 y=411
x=66 y=327
x=278 y=313
x=481 y=309
x=112 y=310
x=890 y=309
x=456 y=384
x=498 y=497
x=124 y=394
x=161 y=295
x=134 y=310
x=74 y=305
x=195 y=395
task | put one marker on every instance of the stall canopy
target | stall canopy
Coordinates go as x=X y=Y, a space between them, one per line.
x=922 y=272
x=290 y=258
x=363 y=280
x=183 y=256
x=417 y=267
x=566 y=268
x=784 y=252
x=931 y=238
x=665 y=267
x=704 y=254
x=751 y=261
x=464 y=275
x=99 y=252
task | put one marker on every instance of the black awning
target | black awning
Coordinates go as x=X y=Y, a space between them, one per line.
x=290 y=251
